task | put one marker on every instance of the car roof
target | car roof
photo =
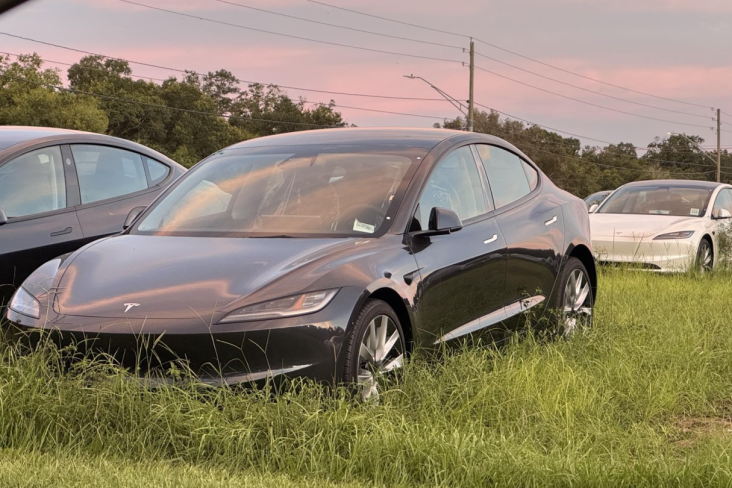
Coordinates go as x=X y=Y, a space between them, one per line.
x=11 y=135
x=677 y=183
x=382 y=136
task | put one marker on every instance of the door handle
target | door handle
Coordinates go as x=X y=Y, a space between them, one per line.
x=492 y=239
x=551 y=220
x=67 y=230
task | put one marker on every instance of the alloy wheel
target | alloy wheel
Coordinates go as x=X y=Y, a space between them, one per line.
x=577 y=309
x=381 y=353
x=704 y=256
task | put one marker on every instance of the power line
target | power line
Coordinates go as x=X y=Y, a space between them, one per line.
x=585 y=102
x=239 y=26
x=183 y=71
x=495 y=46
x=340 y=26
x=591 y=91
x=337 y=105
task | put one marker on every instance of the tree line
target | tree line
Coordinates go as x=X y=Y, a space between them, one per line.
x=189 y=118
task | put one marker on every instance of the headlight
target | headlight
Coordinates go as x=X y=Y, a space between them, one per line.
x=26 y=304
x=683 y=234
x=306 y=303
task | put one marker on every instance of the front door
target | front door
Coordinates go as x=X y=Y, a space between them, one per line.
x=462 y=273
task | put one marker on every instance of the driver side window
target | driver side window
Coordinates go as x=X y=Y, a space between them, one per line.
x=723 y=202
x=455 y=185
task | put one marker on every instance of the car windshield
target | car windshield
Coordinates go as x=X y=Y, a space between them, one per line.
x=286 y=191
x=658 y=200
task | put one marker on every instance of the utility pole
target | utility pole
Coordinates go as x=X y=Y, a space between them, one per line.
x=719 y=145
x=471 y=111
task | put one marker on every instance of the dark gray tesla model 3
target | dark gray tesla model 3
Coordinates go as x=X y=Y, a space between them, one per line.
x=60 y=189
x=327 y=254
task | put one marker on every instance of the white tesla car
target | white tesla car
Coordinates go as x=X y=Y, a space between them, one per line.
x=662 y=225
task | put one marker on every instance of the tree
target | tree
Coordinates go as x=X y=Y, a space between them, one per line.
x=28 y=97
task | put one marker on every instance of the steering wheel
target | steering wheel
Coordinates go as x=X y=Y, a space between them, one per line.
x=365 y=213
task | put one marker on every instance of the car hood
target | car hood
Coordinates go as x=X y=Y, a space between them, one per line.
x=604 y=225
x=131 y=276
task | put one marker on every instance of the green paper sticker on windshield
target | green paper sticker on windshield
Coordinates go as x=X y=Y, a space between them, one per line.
x=361 y=227
x=694 y=211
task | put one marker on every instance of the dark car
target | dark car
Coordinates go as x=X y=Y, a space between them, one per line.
x=327 y=254
x=596 y=198
x=60 y=189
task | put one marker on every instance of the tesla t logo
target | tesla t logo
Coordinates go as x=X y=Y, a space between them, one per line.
x=128 y=306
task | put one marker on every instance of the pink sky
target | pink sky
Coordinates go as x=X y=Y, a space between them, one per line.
x=670 y=48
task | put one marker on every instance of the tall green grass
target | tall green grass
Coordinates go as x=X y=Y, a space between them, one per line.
x=644 y=398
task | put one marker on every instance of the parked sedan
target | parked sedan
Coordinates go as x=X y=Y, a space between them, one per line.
x=663 y=225
x=60 y=189
x=327 y=254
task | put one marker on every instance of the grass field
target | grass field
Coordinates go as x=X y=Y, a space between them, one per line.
x=642 y=399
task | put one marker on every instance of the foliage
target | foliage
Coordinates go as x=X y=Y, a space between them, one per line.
x=642 y=399
x=186 y=119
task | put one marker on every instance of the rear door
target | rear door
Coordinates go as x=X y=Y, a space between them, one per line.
x=42 y=222
x=112 y=182
x=532 y=224
x=462 y=273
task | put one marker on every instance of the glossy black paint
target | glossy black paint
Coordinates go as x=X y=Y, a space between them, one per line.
x=27 y=242
x=435 y=283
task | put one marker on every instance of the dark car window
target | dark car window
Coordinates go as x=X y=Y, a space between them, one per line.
x=454 y=184
x=506 y=174
x=158 y=171
x=107 y=172
x=33 y=183
x=658 y=199
x=339 y=191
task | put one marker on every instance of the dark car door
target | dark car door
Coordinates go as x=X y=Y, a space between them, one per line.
x=112 y=182
x=42 y=223
x=462 y=273
x=532 y=224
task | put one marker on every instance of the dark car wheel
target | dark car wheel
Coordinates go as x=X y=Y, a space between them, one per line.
x=704 y=256
x=575 y=301
x=375 y=349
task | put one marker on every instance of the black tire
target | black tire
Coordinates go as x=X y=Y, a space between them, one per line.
x=575 y=302
x=704 y=256
x=365 y=369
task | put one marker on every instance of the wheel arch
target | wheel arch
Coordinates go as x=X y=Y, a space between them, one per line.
x=583 y=253
x=396 y=302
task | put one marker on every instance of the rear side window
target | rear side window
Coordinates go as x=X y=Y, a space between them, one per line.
x=508 y=175
x=107 y=172
x=158 y=171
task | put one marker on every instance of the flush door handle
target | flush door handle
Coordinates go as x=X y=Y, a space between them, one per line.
x=67 y=230
x=492 y=239
x=551 y=220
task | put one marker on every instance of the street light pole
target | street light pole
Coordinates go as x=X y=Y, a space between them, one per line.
x=719 y=145
x=454 y=101
x=471 y=112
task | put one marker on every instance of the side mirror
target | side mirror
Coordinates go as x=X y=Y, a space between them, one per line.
x=593 y=208
x=442 y=221
x=721 y=213
x=3 y=218
x=132 y=216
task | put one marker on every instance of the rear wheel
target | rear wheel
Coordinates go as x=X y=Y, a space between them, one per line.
x=375 y=349
x=704 y=256
x=575 y=301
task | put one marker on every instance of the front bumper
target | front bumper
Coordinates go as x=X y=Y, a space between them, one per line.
x=306 y=346
x=672 y=255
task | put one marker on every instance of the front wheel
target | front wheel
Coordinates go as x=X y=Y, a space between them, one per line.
x=375 y=349
x=704 y=256
x=575 y=301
